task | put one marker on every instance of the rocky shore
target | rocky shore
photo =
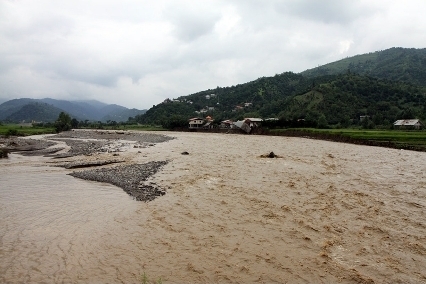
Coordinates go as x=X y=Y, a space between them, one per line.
x=87 y=142
x=103 y=147
x=131 y=178
x=25 y=146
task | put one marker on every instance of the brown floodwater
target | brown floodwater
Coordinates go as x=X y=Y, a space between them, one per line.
x=56 y=228
x=323 y=212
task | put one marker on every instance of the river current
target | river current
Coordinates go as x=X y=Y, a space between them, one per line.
x=54 y=226
x=321 y=212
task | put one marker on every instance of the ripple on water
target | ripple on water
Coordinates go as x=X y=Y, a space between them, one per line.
x=48 y=219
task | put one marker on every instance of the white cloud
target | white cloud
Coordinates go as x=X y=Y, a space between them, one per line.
x=137 y=53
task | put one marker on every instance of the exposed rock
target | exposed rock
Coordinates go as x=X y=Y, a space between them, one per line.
x=87 y=164
x=4 y=153
x=270 y=155
x=25 y=146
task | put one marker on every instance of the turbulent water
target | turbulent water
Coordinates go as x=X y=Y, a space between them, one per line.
x=322 y=212
x=52 y=226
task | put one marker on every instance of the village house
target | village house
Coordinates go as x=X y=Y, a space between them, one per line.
x=226 y=123
x=209 y=123
x=196 y=122
x=408 y=124
x=253 y=121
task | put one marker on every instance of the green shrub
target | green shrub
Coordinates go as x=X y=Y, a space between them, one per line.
x=11 y=132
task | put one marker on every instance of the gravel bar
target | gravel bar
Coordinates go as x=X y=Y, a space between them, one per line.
x=26 y=146
x=117 y=135
x=105 y=140
x=88 y=164
x=131 y=178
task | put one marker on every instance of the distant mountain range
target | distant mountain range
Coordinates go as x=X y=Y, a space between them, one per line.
x=48 y=110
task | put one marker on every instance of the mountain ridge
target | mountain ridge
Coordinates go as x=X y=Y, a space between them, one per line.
x=46 y=110
x=384 y=85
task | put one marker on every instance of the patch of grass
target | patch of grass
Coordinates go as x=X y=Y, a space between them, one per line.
x=24 y=130
x=403 y=138
x=145 y=127
x=145 y=280
x=134 y=127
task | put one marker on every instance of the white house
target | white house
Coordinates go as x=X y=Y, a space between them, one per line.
x=196 y=122
x=408 y=124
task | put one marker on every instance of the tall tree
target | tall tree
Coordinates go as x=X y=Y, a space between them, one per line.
x=63 y=123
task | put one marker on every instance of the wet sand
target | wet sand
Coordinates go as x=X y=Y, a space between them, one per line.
x=323 y=212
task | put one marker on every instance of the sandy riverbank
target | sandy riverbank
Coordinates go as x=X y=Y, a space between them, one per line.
x=323 y=212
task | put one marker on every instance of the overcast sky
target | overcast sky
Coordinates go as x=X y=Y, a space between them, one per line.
x=136 y=53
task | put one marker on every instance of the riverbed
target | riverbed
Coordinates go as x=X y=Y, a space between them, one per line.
x=320 y=212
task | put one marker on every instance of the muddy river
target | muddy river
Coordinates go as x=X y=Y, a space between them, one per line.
x=322 y=212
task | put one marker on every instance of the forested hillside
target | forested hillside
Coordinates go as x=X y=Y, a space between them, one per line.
x=398 y=64
x=384 y=86
x=35 y=111
x=261 y=97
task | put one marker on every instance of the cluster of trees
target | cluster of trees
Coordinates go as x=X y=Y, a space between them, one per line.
x=64 y=122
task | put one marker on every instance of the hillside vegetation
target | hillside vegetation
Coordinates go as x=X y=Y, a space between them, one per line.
x=382 y=86
x=397 y=64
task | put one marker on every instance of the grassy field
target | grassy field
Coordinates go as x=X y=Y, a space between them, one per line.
x=397 y=138
x=24 y=130
x=141 y=127
x=129 y=127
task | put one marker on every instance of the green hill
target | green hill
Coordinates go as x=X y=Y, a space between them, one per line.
x=17 y=110
x=35 y=111
x=348 y=96
x=399 y=64
x=385 y=86
x=9 y=107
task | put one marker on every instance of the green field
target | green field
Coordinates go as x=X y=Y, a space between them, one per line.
x=141 y=127
x=24 y=130
x=404 y=139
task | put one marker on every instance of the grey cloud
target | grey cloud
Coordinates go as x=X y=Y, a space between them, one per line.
x=191 y=21
x=326 y=11
x=137 y=53
x=190 y=28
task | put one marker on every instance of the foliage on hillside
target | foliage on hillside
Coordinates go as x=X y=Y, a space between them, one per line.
x=347 y=97
x=399 y=64
x=334 y=94
x=261 y=97
x=340 y=99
